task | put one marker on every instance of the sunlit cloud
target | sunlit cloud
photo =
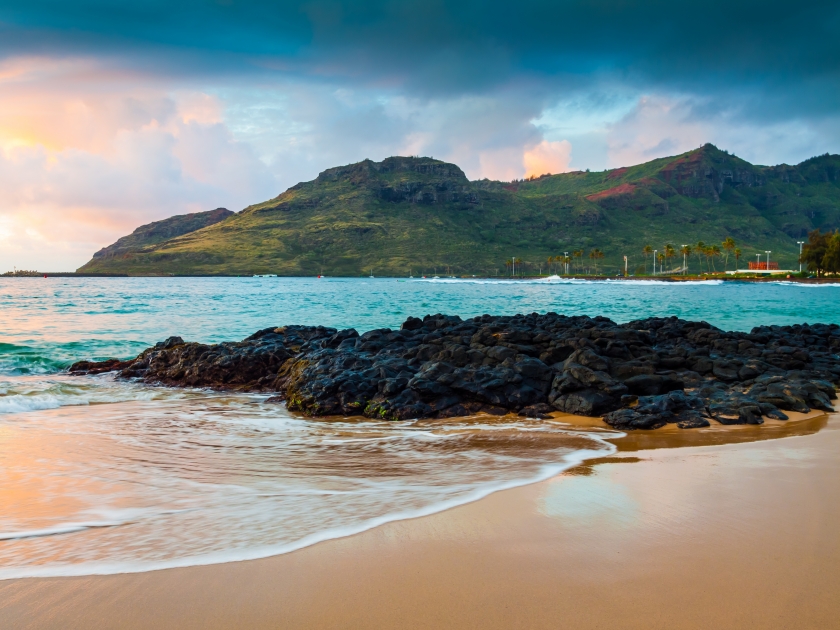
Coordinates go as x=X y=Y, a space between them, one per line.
x=548 y=158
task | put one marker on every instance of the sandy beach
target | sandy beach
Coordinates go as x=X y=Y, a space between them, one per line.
x=676 y=530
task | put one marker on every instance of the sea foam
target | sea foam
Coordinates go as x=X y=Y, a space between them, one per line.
x=213 y=478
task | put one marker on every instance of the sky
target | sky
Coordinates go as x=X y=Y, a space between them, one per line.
x=115 y=114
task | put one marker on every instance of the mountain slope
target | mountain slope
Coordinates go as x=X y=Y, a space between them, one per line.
x=158 y=232
x=424 y=214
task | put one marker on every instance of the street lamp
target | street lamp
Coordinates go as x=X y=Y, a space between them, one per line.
x=654 y=261
x=566 y=262
x=800 y=243
x=768 y=259
x=758 y=261
x=685 y=266
x=625 y=266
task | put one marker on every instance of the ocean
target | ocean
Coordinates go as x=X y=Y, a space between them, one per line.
x=103 y=476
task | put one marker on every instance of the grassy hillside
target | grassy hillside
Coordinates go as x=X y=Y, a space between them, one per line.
x=153 y=233
x=424 y=214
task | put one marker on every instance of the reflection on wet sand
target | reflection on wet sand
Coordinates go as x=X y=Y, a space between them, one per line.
x=737 y=535
x=670 y=436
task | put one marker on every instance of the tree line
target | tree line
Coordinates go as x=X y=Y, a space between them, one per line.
x=582 y=262
x=708 y=254
x=822 y=252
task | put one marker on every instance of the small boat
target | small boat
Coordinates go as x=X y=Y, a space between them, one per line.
x=265 y=275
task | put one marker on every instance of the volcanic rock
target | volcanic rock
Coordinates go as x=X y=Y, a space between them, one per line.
x=639 y=375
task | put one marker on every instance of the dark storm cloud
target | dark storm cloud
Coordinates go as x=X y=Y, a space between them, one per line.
x=456 y=46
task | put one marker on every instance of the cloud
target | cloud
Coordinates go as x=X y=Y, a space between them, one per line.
x=547 y=157
x=662 y=125
x=115 y=114
x=83 y=162
x=87 y=154
x=458 y=47
x=300 y=129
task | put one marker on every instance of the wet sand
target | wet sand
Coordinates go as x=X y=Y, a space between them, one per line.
x=744 y=534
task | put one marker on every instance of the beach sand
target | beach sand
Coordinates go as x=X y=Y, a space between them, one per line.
x=744 y=534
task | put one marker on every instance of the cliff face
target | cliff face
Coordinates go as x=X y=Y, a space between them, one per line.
x=395 y=180
x=419 y=214
x=704 y=173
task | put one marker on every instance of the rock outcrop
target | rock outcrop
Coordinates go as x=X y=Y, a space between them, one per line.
x=639 y=375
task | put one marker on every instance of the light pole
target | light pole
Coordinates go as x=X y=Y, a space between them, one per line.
x=513 y=268
x=768 y=259
x=654 y=261
x=566 y=262
x=684 y=250
x=625 y=266
x=758 y=261
x=801 y=243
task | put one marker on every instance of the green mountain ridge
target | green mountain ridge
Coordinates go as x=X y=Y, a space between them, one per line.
x=422 y=214
x=160 y=231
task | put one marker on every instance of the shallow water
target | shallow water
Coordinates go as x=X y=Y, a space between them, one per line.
x=49 y=322
x=98 y=476
x=171 y=478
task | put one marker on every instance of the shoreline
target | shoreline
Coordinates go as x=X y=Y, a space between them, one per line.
x=677 y=279
x=634 y=536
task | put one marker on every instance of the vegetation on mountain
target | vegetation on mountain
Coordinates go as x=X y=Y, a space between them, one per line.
x=420 y=215
x=157 y=232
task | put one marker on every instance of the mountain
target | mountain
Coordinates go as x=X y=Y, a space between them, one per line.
x=158 y=232
x=423 y=214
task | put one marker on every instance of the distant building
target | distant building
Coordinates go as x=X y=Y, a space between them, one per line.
x=763 y=266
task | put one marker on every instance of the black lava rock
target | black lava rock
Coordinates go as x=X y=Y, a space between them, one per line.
x=639 y=375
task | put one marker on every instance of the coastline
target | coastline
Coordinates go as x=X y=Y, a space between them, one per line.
x=702 y=278
x=738 y=535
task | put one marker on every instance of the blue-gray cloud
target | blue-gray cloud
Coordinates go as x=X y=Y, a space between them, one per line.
x=436 y=47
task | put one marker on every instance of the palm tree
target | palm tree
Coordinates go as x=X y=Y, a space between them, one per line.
x=661 y=258
x=595 y=255
x=647 y=250
x=715 y=253
x=579 y=255
x=707 y=252
x=685 y=250
x=670 y=252
x=700 y=249
x=737 y=256
x=728 y=246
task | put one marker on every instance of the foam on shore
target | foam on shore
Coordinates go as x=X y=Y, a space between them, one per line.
x=205 y=478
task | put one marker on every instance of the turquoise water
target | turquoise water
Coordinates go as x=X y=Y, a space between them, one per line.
x=48 y=323
x=105 y=476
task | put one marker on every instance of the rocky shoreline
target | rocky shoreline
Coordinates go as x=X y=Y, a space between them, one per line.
x=639 y=375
